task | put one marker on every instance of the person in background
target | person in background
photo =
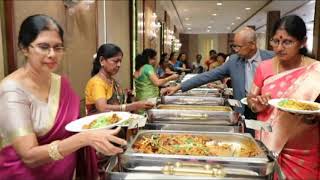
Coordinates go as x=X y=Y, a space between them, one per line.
x=212 y=59
x=164 y=69
x=176 y=64
x=220 y=60
x=185 y=65
x=36 y=105
x=146 y=80
x=103 y=93
x=240 y=68
x=295 y=138
x=196 y=66
x=160 y=68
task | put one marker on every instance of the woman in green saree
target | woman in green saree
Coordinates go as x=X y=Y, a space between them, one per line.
x=146 y=80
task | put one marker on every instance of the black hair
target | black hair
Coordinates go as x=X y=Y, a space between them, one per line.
x=162 y=58
x=149 y=53
x=179 y=57
x=33 y=25
x=106 y=51
x=294 y=26
x=171 y=55
x=222 y=54
x=213 y=51
x=141 y=60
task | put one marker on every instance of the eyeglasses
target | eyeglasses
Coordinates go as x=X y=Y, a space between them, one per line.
x=285 y=43
x=45 y=48
x=235 y=47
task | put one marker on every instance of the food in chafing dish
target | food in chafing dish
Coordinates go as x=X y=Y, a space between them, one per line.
x=192 y=107
x=102 y=121
x=298 y=105
x=195 y=145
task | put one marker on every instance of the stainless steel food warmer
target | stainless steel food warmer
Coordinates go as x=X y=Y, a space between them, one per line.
x=226 y=166
x=200 y=92
x=191 y=127
x=193 y=114
x=193 y=100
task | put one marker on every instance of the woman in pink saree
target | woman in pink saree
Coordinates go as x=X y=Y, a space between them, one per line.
x=295 y=138
x=36 y=105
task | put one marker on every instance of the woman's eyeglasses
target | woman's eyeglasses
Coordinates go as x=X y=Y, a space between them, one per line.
x=285 y=43
x=44 y=49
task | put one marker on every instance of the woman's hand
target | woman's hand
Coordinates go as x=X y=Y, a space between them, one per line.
x=173 y=77
x=170 y=90
x=141 y=105
x=101 y=141
x=258 y=103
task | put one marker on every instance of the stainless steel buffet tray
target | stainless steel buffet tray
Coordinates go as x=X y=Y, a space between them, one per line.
x=229 y=165
x=200 y=92
x=192 y=127
x=193 y=100
x=158 y=172
x=193 y=114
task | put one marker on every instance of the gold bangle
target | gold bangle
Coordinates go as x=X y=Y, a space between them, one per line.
x=53 y=151
x=123 y=107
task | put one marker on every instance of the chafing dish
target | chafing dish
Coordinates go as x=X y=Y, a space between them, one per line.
x=193 y=100
x=191 y=127
x=225 y=166
x=190 y=114
x=200 y=92
x=194 y=107
x=177 y=170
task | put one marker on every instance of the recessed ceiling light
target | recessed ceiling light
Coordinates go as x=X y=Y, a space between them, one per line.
x=232 y=23
x=188 y=24
x=189 y=28
x=238 y=17
x=208 y=30
x=209 y=27
x=185 y=10
x=219 y=4
x=187 y=19
x=214 y=14
x=248 y=8
x=228 y=28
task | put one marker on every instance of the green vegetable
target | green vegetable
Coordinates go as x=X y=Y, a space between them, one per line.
x=101 y=122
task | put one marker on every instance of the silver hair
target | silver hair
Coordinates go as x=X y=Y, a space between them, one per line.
x=248 y=34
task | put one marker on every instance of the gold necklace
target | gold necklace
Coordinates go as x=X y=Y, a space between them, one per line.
x=278 y=64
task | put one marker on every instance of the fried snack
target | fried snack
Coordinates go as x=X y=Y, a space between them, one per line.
x=297 y=105
x=194 y=145
x=102 y=121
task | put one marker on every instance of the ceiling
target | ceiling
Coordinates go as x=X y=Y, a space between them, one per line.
x=208 y=16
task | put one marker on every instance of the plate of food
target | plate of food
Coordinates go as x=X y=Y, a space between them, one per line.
x=244 y=101
x=296 y=106
x=105 y=120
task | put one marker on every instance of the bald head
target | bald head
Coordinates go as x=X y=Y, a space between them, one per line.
x=245 y=41
x=247 y=35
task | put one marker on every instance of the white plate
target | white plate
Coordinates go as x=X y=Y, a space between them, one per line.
x=76 y=126
x=275 y=103
x=244 y=101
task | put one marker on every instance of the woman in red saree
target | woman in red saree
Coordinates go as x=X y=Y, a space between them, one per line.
x=295 y=138
x=36 y=104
